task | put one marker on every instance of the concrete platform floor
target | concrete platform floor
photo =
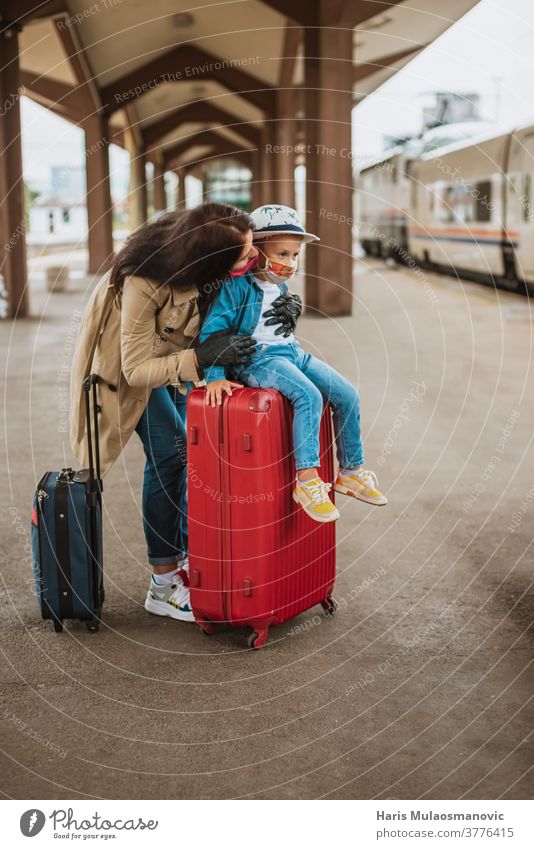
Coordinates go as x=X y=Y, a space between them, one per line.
x=421 y=685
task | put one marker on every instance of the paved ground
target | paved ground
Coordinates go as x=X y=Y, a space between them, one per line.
x=419 y=687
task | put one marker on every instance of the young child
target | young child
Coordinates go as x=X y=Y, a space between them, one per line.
x=282 y=364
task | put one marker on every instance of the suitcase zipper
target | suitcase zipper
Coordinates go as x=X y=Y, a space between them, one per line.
x=41 y=494
x=61 y=522
x=41 y=491
x=223 y=444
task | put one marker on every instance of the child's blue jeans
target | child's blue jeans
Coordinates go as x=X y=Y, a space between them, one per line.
x=308 y=382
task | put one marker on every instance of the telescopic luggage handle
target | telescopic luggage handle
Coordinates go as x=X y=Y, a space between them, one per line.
x=95 y=483
x=89 y=386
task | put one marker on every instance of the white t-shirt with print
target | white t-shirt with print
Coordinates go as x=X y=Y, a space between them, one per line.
x=262 y=333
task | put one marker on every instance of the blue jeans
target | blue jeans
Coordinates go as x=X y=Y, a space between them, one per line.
x=308 y=382
x=164 y=502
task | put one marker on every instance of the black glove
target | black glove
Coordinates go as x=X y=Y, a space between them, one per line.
x=285 y=311
x=224 y=348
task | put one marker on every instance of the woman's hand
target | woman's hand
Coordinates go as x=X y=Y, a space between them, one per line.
x=215 y=389
x=224 y=348
x=285 y=311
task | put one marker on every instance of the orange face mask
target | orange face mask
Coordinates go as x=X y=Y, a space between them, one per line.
x=277 y=271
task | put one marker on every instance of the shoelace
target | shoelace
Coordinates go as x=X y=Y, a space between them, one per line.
x=181 y=597
x=317 y=490
x=367 y=477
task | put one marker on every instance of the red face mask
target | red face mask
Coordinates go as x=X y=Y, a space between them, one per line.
x=250 y=264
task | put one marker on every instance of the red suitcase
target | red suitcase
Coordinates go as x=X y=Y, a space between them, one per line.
x=255 y=557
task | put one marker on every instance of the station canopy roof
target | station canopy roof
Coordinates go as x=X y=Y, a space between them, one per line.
x=179 y=74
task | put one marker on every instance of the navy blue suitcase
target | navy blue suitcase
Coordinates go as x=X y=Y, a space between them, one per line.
x=67 y=536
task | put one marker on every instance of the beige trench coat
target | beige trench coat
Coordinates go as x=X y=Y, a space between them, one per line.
x=140 y=347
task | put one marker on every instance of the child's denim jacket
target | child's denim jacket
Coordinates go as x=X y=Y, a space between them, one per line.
x=238 y=305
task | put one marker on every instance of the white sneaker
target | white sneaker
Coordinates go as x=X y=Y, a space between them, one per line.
x=172 y=600
x=183 y=572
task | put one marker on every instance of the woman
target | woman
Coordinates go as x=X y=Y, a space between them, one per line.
x=138 y=335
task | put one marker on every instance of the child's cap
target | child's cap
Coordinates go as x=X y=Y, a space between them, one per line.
x=273 y=219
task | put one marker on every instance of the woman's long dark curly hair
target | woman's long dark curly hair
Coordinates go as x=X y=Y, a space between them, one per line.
x=186 y=248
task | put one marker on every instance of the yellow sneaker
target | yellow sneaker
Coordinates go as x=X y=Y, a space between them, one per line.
x=361 y=484
x=313 y=498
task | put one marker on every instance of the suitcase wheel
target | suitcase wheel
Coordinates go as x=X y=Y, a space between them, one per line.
x=92 y=624
x=329 y=605
x=257 y=640
x=58 y=625
x=206 y=627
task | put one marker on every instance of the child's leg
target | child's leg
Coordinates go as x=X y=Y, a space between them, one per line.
x=352 y=479
x=277 y=372
x=282 y=374
x=345 y=402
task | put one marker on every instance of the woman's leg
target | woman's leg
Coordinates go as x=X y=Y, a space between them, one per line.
x=179 y=400
x=163 y=435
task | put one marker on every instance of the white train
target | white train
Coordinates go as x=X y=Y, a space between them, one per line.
x=456 y=202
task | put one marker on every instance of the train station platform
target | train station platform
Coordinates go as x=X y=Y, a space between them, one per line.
x=419 y=687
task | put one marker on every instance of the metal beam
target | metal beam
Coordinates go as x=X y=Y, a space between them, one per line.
x=341 y=12
x=202 y=139
x=186 y=63
x=303 y=13
x=201 y=112
x=365 y=69
x=60 y=97
x=355 y=12
x=86 y=90
x=244 y=157
x=22 y=11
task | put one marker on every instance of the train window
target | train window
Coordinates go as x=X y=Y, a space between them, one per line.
x=463 y=203
x=482 y=198
x=445 y=209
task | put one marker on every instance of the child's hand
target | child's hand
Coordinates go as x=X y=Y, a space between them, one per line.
x=215 y=389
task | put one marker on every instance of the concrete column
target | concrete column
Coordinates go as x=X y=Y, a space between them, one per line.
x=266 y=162
x=140 y=187
x=180 y=188
x=329 y=184
x=99 y=204
x=158 y=189
x=255 y=185
x=12 y=207
x=137 y=194
x=285 y=138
